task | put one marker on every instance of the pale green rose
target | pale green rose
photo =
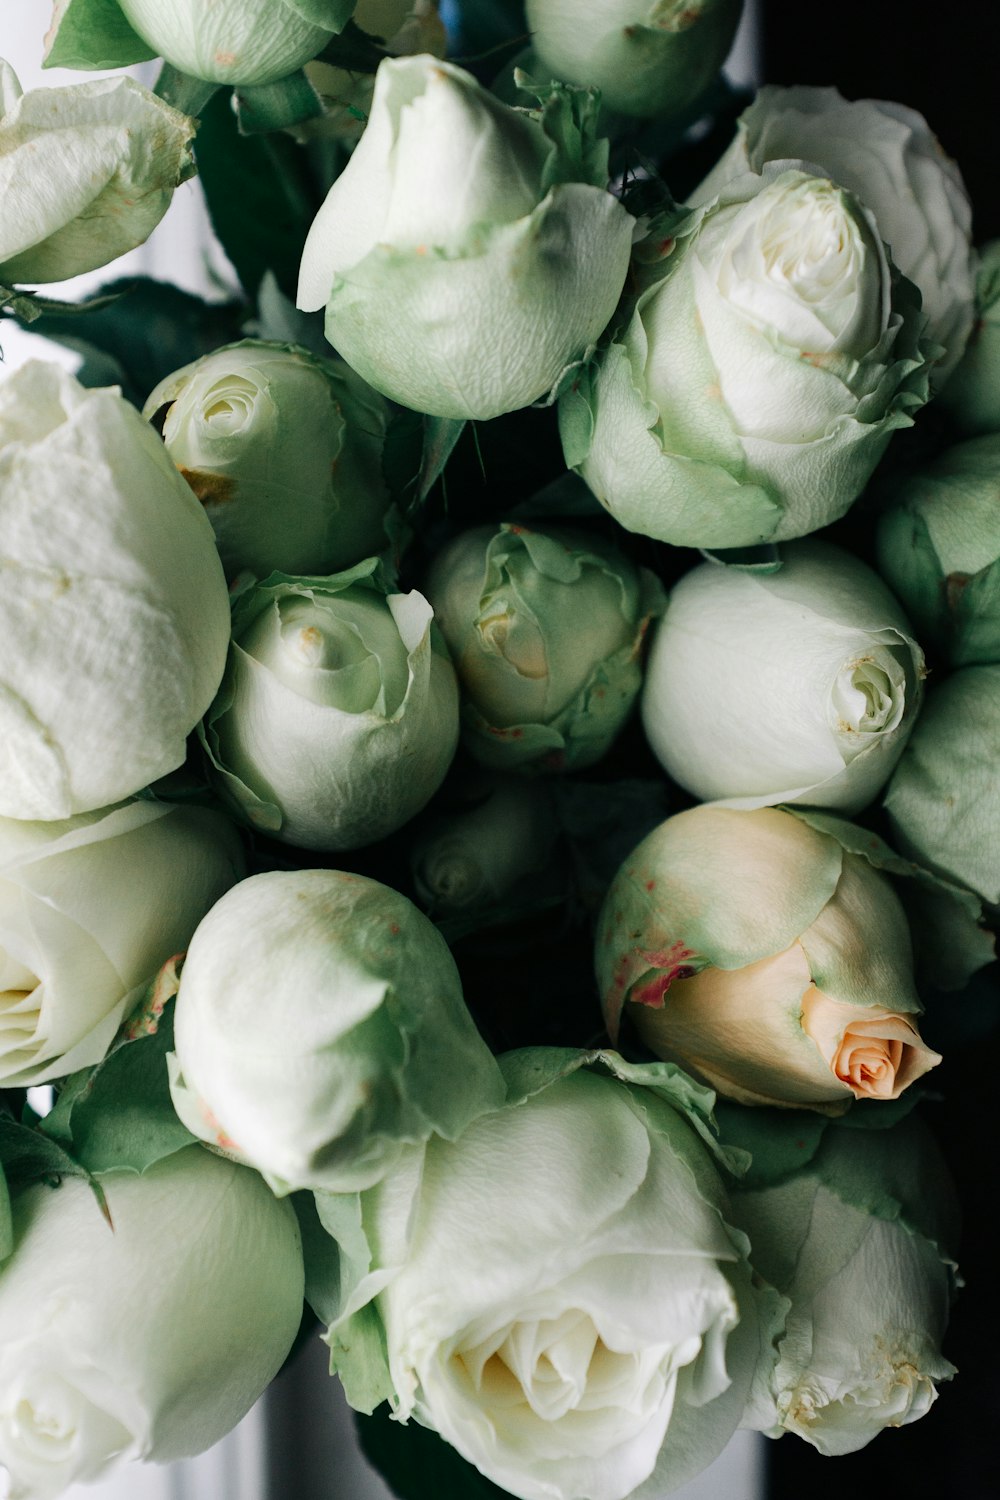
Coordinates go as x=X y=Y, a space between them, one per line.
x=545 y=628
x=972 y=394
x=758 y=381
x=319 y=1026
x=338 y=713
x=148 y=1340
x=558 y=1292
x=857 y=1240
x=761 y=955
x=943 y=801
x=227 y=42
x=469 y=251
x=285 y=453
x=647 y=57
x=114 y=613
x=800 y=685
x=86 y=173
x=90 y=908
x=888 y=157
x=493 y=833
x=939 y=547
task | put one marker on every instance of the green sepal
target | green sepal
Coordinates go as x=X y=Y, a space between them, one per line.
x=181 y=91
x=87 y=34
x=569 y=114
x=118 y=1114
x=27 y=1157
x=763 y=559
x=264 y=107
x=332 y=15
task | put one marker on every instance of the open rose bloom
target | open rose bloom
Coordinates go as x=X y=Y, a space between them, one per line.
x=764 y=958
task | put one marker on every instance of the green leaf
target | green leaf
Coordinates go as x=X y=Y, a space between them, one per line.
x=276 y=106
x=119 y=1113
x=260 y=198
x=27 y=1157
x=418 y=1465
x=136 y=331
x=93 y=34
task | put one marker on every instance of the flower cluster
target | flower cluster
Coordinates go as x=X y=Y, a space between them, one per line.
x=426 y=885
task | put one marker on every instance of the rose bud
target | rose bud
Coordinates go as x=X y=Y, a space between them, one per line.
x=764 y=958
x=943 y=801
x=86 y=173
x=939 y=548
x=855 y=1240
x=545 y=629
x=591 y=1327
x=493 y=833
x=285 y=453
x=146 y=1337
x=338 y=714
x=500 y=275
x=229 y=41
x=115 y=637
x=320 y=1023
x=800 y=685
x=90 y=908
x=646 y=57
x=972 y=393
x=888 y=157
x=760 y=378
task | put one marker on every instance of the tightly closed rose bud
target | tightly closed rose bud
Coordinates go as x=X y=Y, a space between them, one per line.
x=115 y=637
x=590 y=1326
x=229 y=41
x=320 y=1024
x=764 y=958
x=147 y=1340
x=760 y=378
x=800 y=685
x=338 y=714
x=943 y=801
x=887 y=156
x=647 y=57
x=972 y=393
x=857 y=1238
x=465 y=292
x=285 y=453
x=86 y=173
x=90 y=908
x=939 y=548
x=545 y=629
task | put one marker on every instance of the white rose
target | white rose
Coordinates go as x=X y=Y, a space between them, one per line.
x=114 y=611
x=800 y=685
x=86 y=173
x=561 y=1297
x=761 y=375
x=90 y=908
x=887 y=156
x=148 y=1340
x=338 y=714
x=462 y=261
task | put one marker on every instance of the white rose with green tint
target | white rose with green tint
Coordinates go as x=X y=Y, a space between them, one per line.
x=338 y=714
x=90 y=908
x=469 y=251
x=545 y=627
x=150 y=1339
x=888 y=157
x=765 y=958
x=557 y=1292
x=86 y=173
x=856 y=1234
x=795 y=685
x=319 y=1025
x=114 y=613
x=943 y=801
x=229 y=41
x=647 y=57
x=759 y=379
x=285 y=453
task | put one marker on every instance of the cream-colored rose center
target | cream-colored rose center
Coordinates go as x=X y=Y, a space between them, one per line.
x=229 y=405
x=20 y=1011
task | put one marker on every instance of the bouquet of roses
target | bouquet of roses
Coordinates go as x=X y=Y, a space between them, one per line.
x=432 y=890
